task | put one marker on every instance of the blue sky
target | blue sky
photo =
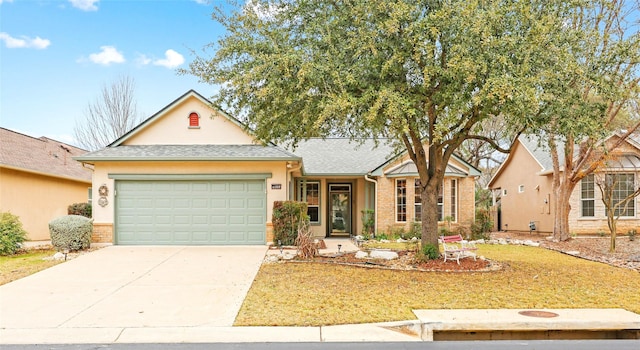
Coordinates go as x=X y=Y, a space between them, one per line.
x=55 y=56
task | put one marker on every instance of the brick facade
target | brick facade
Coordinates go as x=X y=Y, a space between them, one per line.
x=386 y=197
x=102 y=233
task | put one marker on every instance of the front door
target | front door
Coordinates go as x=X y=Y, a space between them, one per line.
x=339 y=210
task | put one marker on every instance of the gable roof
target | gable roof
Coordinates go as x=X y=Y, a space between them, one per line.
x=189 y=153
x=166 y=109
x=409 y=168
x=341 y=156
x=42 y=155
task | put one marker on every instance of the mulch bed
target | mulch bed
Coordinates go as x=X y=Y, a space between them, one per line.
x=408 y=262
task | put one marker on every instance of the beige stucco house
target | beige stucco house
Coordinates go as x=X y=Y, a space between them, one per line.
x=39 y=180
x=524 y=185
x=190 y=174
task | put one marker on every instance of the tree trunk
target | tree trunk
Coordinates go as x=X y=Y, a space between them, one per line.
x=611 y=220
x=429 y=213
x=562 y=194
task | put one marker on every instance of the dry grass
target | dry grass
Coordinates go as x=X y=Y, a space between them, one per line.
x=304 y=294
x=17 y=266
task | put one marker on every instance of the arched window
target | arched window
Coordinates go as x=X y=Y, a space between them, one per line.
x=194 y=120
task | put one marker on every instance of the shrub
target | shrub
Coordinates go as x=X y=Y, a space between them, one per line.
x=286 y=218
x=11 y=233
x=429 y=252
x=82 y=209
x=482 y=226
x=368 y=222
x=71 y=232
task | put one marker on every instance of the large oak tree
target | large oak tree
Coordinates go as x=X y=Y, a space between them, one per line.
x=424 y=74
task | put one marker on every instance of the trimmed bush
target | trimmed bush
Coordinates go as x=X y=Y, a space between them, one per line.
x=430 y=252
x=71 y=232
x=287 y=216
x=11 y=233
x=82 y=209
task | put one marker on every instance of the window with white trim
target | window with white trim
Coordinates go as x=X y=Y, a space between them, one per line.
x=441 y=202
x=311 y=193
x=454 y=199
x=623 y=186
x=521 y=189
x=401 y=200
x=587 y=196
x=417 y=201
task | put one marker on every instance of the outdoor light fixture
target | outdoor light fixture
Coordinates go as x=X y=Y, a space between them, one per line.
x=339 y=247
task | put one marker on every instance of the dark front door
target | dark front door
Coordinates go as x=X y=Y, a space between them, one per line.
x=339 y=210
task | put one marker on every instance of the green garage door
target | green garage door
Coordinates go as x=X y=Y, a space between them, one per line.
x=190 y=212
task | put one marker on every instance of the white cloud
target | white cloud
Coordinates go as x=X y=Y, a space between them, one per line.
x=142 y=59
x=108 y=55
x=1 y=1
x=85 y=5
x=24 y=42
x=172 y=59
x=201 y=2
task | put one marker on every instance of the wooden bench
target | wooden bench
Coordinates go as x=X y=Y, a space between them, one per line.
x=456 y=248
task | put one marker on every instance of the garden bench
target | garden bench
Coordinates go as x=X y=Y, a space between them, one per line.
x=456 y=248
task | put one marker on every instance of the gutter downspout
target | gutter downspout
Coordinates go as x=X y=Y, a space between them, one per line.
x=290 y=196
x=375 y=202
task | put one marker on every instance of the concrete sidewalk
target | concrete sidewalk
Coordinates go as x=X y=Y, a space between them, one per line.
x=430 y=321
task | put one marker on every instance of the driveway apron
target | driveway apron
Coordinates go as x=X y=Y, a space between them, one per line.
x=132 y=286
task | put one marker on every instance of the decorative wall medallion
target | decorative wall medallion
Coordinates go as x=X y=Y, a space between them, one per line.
x=103 y=201
x=103 y=191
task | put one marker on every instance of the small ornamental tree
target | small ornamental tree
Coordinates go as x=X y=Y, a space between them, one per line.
x=617 y=193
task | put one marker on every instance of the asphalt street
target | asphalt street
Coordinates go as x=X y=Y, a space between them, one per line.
x=448 y=345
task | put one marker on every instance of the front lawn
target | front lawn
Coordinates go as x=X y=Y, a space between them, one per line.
x=310 y=294
x=17 y=266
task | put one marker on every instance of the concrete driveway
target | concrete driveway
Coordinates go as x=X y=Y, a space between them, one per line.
x=126 y=286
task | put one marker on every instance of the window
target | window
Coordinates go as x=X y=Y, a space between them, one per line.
x=311 y=194
x=441 y=203
x=587 y=196
x=623 y=186
x=417 y=201
x=194 y=120
x=454 y=199
x=520 y=188
x=504 y=192
x=401 y=200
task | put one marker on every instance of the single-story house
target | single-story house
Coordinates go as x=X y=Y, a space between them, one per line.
x=39 y=180
x=190 y=174
x=524 y=185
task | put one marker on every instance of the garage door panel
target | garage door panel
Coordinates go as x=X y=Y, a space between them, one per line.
x=190 y=212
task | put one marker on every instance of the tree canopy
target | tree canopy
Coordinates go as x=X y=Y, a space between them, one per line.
x=423 y=74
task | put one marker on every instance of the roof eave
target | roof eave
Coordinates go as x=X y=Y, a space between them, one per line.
x=176 y=159
x=30 y=171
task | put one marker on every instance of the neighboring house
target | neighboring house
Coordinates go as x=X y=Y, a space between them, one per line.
x=39 y=180
x=182 y=177
x=524 y=184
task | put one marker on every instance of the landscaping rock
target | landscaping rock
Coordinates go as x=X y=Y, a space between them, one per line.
x=288 y=255
x=383 y=254
x=413 y=239
x=400 y=240
x=635 y=258
x=271 y=259
x=531 y=243
x=361 y=255
x=503 y=241
x=573 y=252
x=58 y=256
x=385 y=241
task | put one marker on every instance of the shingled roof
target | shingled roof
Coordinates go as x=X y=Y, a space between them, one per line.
x=188 y=152
x=41 y=155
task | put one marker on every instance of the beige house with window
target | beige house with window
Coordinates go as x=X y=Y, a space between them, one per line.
x=190 y=174
x=523 y=185
x=39 y=180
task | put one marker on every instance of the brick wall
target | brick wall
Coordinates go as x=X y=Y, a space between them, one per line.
x=386 y=198
x=270 y=235
x=102 y=233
